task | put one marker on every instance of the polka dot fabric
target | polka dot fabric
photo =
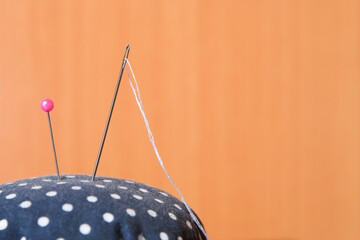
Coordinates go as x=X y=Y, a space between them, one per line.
x=77 y=208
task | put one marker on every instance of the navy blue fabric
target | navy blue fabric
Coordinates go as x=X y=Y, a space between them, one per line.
x=77 y=208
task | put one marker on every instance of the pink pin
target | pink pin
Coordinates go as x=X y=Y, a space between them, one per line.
x=47 y=105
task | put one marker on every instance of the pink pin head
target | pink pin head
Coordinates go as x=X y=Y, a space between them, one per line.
x=47 y=105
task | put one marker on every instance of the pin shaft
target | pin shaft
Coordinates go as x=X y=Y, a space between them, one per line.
x=53 y=144
x=126 y=54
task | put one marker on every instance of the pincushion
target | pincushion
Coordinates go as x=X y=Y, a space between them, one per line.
x=89 y=207
x=78 y=208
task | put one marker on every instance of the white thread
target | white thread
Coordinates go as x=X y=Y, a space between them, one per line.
x=139 y=103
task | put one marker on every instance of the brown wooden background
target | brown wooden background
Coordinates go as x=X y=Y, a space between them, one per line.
x=254 y=105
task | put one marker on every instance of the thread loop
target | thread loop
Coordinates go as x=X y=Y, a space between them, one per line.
x=137 y=95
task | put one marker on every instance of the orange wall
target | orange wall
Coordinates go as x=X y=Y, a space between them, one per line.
x=254 y=105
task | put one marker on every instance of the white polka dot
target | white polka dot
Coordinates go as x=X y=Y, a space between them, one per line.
x=179 y=238
x=60 y=239
x=61 y=183
x=85 y=229
x=11 y=196
x=137 y=197
x=172 y=216
x=9 y=183
x=131 y=212
x=164 y=236
x=99 y=186
x=165 y=194
x=189 y=224
x=75 y=187
x=107 y=180
x=92 y=199
x=108 y=217
x=23 y=238
x=143 y=190
x=122 y=187
x=141 y=237
x=115 y=196
x=129 y=181
x=159 y=201
x=22 y=184
x=47 y=180
x=43 y=221
x=36 y=187
x=84 y=181
x=3 y=224
x=70 y=176
x=67 y=207
x=177 y=206
x=152 y=213
x=25 y=204
x=51 y=194
x=0 y=191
